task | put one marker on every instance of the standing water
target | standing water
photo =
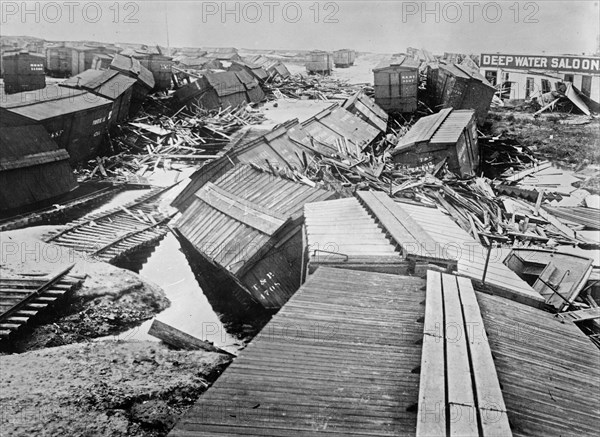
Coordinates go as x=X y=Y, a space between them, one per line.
x=190 y=310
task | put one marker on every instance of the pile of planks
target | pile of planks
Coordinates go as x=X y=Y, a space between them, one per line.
x=314 y=88
x=157 y=140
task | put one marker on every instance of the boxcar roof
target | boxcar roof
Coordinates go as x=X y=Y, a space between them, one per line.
x=50 y=102
x=108 y=83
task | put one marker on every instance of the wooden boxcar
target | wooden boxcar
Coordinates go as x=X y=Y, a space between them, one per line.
x=248 y=223
x=131 y=67
x=344 y=58
x=32 y=167
x=449 y=134
x=320 y=62
x=396 y=85
x=109 y=84
x=158 y=64
x=23 y=71
x=58 y=60
x=216 y=90
x=255 y=70
x=454 y=86
x=75 y=119
x=274 y=68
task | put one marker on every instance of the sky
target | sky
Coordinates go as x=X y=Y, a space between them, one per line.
x=525 y=27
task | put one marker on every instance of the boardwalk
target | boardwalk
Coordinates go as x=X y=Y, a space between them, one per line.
x=340 y=358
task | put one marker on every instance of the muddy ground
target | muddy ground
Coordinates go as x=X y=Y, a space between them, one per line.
x=109 y=301
x=109 y=389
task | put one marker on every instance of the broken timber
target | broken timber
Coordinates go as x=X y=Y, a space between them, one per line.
x=180 y=339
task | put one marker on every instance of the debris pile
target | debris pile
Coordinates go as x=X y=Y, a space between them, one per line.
x=315 y=87
x=155 y=140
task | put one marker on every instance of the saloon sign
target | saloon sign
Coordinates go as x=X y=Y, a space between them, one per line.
x=579 y=64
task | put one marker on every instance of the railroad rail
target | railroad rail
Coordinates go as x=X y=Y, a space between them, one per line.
x=26 y=297
x=110 y=235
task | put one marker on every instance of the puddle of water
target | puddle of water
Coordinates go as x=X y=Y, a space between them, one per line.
x=191 y=311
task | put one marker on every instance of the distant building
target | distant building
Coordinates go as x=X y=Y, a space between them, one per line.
x=527 y=76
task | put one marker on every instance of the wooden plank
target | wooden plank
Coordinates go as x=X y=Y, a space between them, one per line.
x=583 y=315
x=251 y=214
x=180 y=339
x=490 y=402
x=461 y=399
x=431 y=419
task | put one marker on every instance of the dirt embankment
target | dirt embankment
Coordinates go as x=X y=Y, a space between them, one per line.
x=108 y=388
x=109 y=301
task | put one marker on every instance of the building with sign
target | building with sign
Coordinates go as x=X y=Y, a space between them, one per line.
x=524 y=77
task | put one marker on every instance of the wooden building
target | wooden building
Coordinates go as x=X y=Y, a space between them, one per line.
x=396 y=85
x=248 y=223
x=454 y=86
x=75 y=119
x=23 y=71
x=108 y=84
x=448 y=135
x=144 y=79
x=32 y=167
x=320 y=62
x=344 y=58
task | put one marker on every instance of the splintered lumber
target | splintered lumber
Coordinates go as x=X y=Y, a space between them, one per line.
x=181 y=340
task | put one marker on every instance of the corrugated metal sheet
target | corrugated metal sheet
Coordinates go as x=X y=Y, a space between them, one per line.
x=247 y=218
x=341 y=233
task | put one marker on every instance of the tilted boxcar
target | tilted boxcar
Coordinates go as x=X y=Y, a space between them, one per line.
x=213 y=91
x=32 y=167
x=454 y=86
x=344 y=58
x=23 y=71
x=76 y=120
x=109 y=84
x=255 y=70
x=449 y=134
x=248 y=223
x=158 y=64
x=320 y=62
x=144 y=79
x=396 y=85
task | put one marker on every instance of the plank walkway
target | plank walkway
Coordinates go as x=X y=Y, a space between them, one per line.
x=338 y=359
x=459 y=393
x=341 y=233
